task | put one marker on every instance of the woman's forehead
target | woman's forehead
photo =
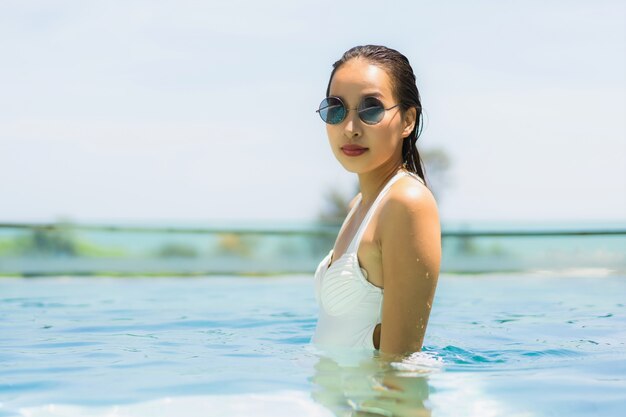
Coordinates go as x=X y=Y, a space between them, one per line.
x=359 y=77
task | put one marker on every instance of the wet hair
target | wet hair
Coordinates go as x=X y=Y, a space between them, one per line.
x=404 y=89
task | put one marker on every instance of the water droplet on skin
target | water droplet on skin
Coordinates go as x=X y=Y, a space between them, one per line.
x=418 y=259
x=428 y=304
x=427 y=275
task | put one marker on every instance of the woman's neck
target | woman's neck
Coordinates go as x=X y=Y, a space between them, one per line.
x=371 y=183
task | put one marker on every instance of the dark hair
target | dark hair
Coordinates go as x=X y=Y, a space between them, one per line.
x=404 y=89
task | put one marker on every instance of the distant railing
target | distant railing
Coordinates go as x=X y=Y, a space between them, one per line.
x=314 y=229
x=39 y=249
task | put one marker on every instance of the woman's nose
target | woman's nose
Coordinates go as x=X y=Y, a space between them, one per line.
x=352 y=126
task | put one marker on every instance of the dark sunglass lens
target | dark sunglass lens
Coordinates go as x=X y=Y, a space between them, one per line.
x=371 y=110
x=332 y=110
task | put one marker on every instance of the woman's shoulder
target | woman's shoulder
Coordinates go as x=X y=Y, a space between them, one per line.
x=408 y=196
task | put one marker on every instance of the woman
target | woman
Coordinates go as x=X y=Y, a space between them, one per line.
x=391 y=239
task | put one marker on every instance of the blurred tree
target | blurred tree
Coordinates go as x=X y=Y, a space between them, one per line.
x=336 y=205
x=438 y=164
x=176 y=250
x=43 y=241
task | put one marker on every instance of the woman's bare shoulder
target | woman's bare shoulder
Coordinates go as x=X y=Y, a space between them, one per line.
x=410 y=189
x=408 y=197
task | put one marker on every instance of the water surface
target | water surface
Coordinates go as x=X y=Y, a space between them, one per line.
x=497 y=345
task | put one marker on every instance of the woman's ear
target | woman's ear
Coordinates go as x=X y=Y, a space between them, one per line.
x=409 y=121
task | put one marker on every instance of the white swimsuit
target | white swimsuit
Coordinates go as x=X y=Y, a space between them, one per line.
x=350 y=306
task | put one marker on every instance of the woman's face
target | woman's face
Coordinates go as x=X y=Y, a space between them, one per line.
x=354 y=80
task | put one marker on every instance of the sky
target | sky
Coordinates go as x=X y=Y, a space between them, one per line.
x=193 y=111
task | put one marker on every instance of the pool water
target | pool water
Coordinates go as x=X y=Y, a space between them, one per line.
x=496 y=345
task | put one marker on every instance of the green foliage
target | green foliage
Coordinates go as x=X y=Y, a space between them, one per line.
x=176 y=250
x=437 y=164
x=43 y=241
x=335 y=206
x=57 y=241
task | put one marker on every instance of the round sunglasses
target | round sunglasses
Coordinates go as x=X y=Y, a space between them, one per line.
x=371 y=110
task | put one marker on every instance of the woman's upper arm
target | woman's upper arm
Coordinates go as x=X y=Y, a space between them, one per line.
x=411 y=255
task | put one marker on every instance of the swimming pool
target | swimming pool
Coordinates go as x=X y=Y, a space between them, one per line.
x=496 y=345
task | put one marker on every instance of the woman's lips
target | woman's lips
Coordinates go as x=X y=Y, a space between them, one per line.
x=353 y=150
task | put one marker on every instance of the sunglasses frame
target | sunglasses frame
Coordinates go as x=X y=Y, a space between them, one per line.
x=382 y=106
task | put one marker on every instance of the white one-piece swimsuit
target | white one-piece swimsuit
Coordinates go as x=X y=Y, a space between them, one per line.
x=350 y=306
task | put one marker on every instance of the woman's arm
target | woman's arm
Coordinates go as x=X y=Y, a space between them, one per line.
x=411 y=254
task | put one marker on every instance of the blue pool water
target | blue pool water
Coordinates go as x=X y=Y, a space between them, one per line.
x=496 y=345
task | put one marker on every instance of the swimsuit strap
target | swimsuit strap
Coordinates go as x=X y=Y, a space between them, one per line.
x=413 y=174
x=357 y=237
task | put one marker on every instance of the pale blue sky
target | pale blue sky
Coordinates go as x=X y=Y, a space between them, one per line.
x=198 y=110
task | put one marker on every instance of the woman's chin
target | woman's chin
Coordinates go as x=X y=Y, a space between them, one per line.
x=351 y=164
x=352 y=168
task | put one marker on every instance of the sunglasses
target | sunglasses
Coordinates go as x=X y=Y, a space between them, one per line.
x=371 y=110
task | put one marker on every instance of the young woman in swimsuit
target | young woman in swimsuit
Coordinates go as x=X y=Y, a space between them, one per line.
x=373 y=119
